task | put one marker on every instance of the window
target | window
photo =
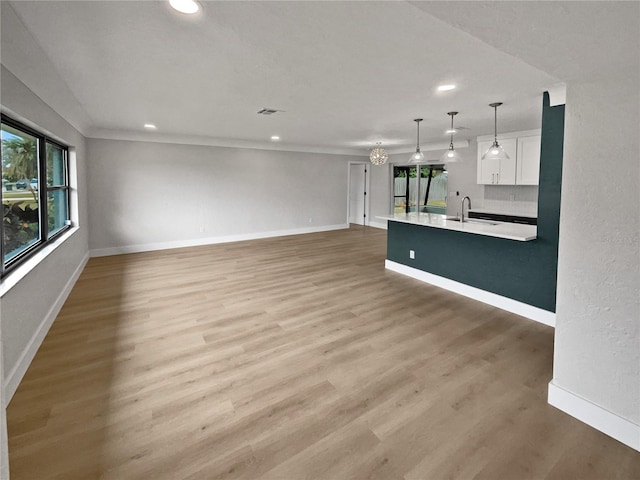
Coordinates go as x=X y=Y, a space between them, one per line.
x=429 y=191
x=35 y=192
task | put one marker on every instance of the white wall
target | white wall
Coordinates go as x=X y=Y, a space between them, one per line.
x=597 y=342
x=155 y=195
x=463 y=178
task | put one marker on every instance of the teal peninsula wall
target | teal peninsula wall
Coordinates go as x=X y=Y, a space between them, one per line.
x=522 y=271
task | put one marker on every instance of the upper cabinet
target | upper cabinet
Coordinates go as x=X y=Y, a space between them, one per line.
x=523 y=165
x=497 y=172
x=528 y=160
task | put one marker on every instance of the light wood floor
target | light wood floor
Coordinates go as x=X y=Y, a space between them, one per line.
x=292 y=358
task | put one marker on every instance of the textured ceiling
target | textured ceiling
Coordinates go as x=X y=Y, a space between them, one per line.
x=346 y=74
x=573 y=41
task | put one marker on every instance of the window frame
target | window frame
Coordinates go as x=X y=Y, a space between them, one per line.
x=43 y=190
x=416 y=197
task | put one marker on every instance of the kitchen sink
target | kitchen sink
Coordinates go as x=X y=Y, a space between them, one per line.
x=478 y=222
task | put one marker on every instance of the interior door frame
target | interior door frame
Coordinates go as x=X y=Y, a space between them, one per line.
x=367 y=194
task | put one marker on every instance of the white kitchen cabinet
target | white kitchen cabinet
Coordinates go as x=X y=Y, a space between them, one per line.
x=528 y=160
x=497 y=172
x=523 y=166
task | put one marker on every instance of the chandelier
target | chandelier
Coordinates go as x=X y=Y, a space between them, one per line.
x=378 y=155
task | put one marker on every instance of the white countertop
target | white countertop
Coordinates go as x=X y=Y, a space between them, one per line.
x=497 y=211
x=511 y=231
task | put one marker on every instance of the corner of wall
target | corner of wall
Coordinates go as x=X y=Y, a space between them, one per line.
x=594 y=415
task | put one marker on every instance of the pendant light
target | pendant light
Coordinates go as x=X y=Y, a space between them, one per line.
x=378 y=155
x=450 y=155
x=418 y=156
x=495 y=152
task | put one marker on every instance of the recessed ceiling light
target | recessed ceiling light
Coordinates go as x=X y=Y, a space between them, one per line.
x=275 y=138
x=446 y=88
x=450 y=131
x=150 y=126
x=185 y=6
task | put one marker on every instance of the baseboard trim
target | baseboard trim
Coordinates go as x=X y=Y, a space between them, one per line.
x=508 y=304
x=149 y=247
x=17 y=372
x=595 y=416
x=378 y=225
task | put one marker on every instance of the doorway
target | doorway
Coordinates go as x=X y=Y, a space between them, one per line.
x=358 y=201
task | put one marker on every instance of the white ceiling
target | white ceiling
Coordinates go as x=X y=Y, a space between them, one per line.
x=346 y=74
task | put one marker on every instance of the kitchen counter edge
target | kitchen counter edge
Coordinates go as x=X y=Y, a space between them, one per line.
x=510 y=231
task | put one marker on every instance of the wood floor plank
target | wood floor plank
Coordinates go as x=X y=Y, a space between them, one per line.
x=292 y=358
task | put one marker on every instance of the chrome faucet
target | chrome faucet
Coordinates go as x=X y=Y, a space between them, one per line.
x=462 y=208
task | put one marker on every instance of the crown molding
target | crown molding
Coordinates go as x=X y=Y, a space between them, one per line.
x=177 y=139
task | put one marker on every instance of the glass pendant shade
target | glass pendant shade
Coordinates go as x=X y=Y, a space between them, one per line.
x=451 y=156
x=378 y=155
x=495 y=152
x=418 y=156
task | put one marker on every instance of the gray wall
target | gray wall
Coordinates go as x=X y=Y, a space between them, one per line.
x=597 y=342
x=380 y=193
x=27 y=304
x=149 y=195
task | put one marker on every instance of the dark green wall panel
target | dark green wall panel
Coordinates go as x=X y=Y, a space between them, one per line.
x=523 y=271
